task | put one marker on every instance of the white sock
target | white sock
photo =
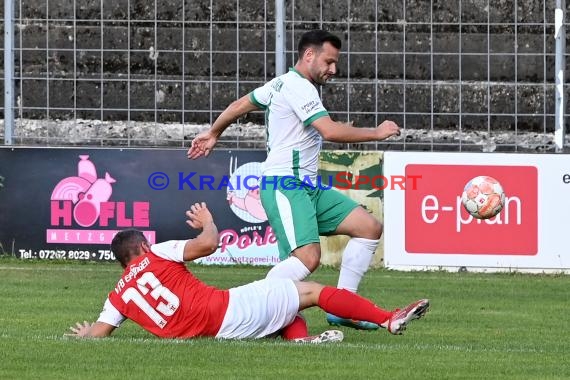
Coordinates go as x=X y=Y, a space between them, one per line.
x=356 y=259
x=291 y=267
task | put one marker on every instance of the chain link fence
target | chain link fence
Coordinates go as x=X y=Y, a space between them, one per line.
x=463 y=75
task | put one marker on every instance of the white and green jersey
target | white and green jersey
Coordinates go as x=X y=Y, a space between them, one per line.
x=291 y=103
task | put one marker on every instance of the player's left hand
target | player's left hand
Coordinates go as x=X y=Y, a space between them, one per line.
x=387 y=129
x=199 y=216
x=80 y=330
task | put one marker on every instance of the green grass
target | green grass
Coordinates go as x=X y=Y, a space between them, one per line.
x=481 y=326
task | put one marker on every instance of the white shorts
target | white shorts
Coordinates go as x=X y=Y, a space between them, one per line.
x=259 y=309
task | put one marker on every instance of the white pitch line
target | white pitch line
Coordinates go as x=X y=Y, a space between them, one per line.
x=257 y=343
x=73 y=268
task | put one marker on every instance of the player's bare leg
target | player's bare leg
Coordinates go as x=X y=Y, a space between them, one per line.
x=302 y=262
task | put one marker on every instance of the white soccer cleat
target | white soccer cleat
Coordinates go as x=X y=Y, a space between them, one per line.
x=397 y=324
x=329 y=336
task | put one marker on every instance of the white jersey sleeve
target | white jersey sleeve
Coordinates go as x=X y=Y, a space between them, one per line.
x=110 y=315
x=261 y=96
x=172 y=250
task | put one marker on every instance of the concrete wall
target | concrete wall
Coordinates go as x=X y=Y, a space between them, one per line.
x=181 y=77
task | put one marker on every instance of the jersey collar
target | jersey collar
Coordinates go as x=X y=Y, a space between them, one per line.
x=297 y=72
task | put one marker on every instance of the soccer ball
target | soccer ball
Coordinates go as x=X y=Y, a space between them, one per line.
x=483 y=197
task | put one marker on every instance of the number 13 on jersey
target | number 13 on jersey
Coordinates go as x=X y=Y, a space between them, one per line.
x=167 y=306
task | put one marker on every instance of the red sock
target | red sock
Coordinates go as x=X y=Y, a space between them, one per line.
x=297 y=329
x=345 y=304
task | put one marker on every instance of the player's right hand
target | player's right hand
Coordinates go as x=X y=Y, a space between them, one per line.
x=202 y=145
x=199 y=216
x=80 y=330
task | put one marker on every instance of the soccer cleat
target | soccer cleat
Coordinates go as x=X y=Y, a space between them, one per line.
x=333 y=320
x=329 y=336
x=397 y=324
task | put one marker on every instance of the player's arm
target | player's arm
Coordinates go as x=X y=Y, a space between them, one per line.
x=109 y=319
x=204 y=142
x=347 y=133
x=91 y=330
x=206 y=242
x=234 y=111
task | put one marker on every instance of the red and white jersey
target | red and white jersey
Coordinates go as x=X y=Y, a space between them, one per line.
x=161 y=295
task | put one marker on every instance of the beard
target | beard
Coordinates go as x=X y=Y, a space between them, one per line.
x=321 y=79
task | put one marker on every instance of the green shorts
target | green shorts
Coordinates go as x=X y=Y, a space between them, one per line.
x=299 y=213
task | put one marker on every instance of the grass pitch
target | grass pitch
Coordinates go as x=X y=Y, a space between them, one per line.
x=480 y=326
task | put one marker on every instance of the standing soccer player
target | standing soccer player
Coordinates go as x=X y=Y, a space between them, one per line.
x=297 y=122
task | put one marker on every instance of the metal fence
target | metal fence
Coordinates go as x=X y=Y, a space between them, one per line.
x=468 y=75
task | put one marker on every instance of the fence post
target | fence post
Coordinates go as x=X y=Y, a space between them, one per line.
x=8 y=71
x=279 y=37
x=560 y=63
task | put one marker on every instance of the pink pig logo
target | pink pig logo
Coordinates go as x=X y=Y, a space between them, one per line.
x=251 y=203
x=245 y=201
x=86 y=192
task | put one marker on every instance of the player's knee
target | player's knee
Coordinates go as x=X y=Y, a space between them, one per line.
x=314 y=292
x=309 y=293
x=361 y=224
x=377 y=229
x=310 y=256
x=312 y=261
x=372 y=229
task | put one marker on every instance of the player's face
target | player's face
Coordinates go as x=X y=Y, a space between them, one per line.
x=323 y=65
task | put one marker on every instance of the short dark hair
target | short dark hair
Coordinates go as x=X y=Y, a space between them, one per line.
x=317 y=38
x=126 y=244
